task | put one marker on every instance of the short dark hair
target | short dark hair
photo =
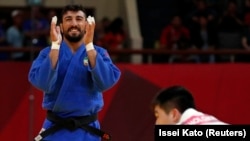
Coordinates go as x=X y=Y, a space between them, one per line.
x=73 y=7
x=174 y=97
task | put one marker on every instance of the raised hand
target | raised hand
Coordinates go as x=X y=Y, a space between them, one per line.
x=90 y=30
x=55 y=33
x=56 y=39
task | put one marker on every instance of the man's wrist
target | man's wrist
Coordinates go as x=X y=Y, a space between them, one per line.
x=55 y=45
x=89 y=46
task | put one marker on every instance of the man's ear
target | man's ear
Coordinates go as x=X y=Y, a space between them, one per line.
x=176 y=115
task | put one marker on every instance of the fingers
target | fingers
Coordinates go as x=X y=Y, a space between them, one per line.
x=91 y=24
x=55 y=33
x=91 y=20
x=90 y=27
x=59 y=36
x=54 y=19
x=53 y=25
x=53 y=22
x=58 y=29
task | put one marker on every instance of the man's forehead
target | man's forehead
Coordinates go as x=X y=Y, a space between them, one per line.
x=74 y=14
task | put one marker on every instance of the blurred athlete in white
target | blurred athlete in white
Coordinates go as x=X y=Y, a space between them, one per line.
x=175 y=105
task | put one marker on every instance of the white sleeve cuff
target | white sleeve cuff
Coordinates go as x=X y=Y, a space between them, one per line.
x=89 y=46
x=55 y=45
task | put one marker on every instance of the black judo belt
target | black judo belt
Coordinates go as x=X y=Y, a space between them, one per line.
x=72 y=124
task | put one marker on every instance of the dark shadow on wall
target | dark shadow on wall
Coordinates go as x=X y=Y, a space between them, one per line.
x=129 y=117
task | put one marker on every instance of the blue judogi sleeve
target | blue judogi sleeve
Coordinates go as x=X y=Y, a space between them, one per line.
x=41 y=73
x=104 y=74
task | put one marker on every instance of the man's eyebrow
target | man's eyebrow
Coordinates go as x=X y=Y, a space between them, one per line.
x=72 y=16
x=80 y=17
x=67 y=17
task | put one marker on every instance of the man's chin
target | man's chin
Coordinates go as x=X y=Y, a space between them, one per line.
x=74 y=39
x=74 y=35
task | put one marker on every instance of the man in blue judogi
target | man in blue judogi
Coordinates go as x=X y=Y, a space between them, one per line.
x=73 y=73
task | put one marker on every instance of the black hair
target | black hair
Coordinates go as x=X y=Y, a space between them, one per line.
x=73 y=7
x=174 y=97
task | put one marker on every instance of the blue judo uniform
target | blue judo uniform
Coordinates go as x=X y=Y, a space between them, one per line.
x=73 y=88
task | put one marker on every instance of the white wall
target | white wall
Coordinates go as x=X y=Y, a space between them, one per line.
x=134 y=29
x=12 y=2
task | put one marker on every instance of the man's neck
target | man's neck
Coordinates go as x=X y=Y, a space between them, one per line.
x=74 y=46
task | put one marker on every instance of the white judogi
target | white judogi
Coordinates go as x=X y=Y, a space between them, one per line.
x=194 y=117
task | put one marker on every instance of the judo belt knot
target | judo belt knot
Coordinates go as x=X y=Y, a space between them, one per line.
x=72 y=124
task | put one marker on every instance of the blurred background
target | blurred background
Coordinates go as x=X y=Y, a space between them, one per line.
x=203 y=45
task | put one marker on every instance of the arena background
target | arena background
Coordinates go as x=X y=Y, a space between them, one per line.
x=219 y=89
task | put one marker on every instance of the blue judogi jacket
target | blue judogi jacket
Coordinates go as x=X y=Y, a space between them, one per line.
x=73 y=88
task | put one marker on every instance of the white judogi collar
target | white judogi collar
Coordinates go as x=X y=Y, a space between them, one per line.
x=192 y=117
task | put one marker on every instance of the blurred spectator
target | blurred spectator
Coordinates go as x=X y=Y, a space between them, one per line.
x=2 y=36
x=246 y=7
x=101 y=30
x=3 y=43
x=175 y=36
x=245 y=40
x=231 y=20
x=115 y=37
x=51 y=13
x=204 y=37
x=202 y=10
x=15 y=35
x=173 y=33
x=230 y=27
x=36 y=28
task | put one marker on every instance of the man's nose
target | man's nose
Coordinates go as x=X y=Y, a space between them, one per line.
x=73 y=22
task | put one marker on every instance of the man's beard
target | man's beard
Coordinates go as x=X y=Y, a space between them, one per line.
x=74 y=38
